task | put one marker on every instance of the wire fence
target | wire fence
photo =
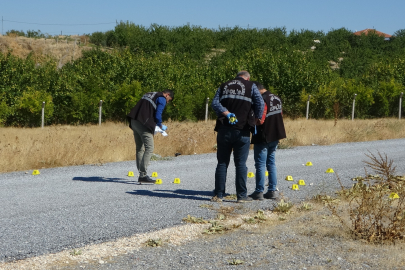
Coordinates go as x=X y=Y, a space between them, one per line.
x=100 y=109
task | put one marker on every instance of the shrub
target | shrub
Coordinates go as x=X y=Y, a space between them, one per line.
x=376 y=204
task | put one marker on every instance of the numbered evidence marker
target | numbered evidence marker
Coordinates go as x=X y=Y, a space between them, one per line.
x=301 y=182
x=131 y=174
x=35 y=172
x=394 y=195
x=250 y=175
x=330 y=170
x=295 y=187
x=289 y=178
x=158 y=181
x=176 y=181
x=154 y=174
x=266 y=173
x=309 y=163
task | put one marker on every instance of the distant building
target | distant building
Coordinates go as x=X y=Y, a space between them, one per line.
x=367 y=31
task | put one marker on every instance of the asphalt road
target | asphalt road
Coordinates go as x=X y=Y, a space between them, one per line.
x=69 y=207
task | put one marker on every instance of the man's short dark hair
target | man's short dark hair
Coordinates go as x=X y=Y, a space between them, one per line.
x=170 y=92
x=259 y=85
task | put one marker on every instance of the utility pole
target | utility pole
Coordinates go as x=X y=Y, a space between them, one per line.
x=1 y=25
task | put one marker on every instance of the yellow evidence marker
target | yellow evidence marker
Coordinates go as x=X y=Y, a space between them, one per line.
x=250 y=175
x=330 y=170
x=309 y=163
x=289 y=178
x=301 y=182
x=154 y=174
x=131 y=174
x=35 y=172
x=394 y=195
x=266 y=173
x=176 y=181
x=158 y=181
x=295 y=187
x=232 y=119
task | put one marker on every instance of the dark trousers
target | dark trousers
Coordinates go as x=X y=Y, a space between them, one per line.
x=229 y=139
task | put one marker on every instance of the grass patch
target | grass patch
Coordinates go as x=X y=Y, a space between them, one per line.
x=282 y=206
x=258 y=218
x=191 y=219
x=216 y=227
x=154 y=242
x=76 y=252
x=236 y=262
x=231 y=197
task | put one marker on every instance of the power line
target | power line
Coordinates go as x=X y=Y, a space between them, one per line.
x=77 y=24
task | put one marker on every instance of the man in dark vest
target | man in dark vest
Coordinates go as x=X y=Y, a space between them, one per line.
x=265 y=144
x=234 y=103
x=143 y=119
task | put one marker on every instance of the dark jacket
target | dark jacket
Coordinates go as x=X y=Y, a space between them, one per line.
x=145 y=110
x=273 y=127
x=236 y=96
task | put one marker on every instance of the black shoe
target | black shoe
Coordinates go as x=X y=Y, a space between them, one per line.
x=270 y=195
x=146 y=179
x=257 y=196
x=245 y=199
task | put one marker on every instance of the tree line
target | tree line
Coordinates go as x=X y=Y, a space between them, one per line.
x=331 y=67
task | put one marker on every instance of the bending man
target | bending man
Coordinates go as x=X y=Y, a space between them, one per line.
x=143 y=119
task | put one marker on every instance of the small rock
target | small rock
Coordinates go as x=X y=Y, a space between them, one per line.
x=100 y=261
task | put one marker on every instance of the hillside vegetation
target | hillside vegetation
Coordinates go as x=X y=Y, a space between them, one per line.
x=331 y=67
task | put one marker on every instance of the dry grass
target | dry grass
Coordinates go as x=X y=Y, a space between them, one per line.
x=54 y=146
x=63 y=50
x=324 y=132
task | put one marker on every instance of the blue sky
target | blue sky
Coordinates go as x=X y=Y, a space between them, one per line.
x=88 y=16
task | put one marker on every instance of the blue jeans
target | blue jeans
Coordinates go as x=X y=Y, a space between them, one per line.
x=265 y=156
x=229 y=139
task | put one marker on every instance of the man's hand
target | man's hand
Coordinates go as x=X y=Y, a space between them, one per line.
x=164 y=127
x=232 y=118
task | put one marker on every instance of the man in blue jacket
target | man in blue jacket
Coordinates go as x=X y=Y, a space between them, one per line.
x=143 y=119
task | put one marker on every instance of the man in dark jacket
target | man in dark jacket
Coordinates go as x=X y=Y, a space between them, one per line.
x=233 y=104
x=265 y=144
x=143 y=119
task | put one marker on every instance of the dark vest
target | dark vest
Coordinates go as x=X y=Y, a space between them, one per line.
x=273 y=127
x=236 y=96
x=145 y=110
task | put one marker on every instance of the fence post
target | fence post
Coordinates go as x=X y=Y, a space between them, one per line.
x=43 y=114
x=400 y=105
x=100 y=106
x=354 y=104
x=309 y=97
x=206 y=109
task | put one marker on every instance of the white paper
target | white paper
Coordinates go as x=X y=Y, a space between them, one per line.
x=158 y=129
